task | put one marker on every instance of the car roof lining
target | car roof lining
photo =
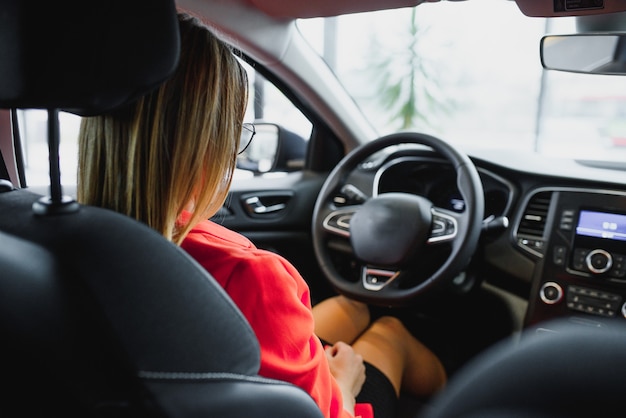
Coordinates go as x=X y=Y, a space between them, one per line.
x=324 y=8
x=290 y=9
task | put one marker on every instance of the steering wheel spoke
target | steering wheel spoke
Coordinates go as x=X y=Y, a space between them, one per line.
x=375 y=279
x=337 y=222
x=445 y=226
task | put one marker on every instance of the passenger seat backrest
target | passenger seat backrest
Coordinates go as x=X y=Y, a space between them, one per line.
x=564 y=368
x=99 y=314
x=102 y=316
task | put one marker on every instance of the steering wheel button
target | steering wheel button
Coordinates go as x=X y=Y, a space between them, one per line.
x=439 y=228
x=376 y=279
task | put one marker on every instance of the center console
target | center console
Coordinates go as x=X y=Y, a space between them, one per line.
x=582 y=269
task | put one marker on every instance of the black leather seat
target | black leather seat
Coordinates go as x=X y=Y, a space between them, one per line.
x=561 y=369
x=100 y=315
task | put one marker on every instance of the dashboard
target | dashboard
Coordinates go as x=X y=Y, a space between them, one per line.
x=582 y=271
x=565 y=245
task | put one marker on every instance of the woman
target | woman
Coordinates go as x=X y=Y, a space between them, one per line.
x=167 y=160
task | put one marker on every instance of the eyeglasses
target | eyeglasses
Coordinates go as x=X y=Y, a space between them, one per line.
x=247 y=133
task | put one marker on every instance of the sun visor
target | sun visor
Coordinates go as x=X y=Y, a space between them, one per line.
x=86 y=57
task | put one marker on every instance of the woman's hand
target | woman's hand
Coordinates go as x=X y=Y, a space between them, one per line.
x=348 y=369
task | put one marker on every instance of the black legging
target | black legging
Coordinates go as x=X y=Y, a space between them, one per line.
x=379 y=392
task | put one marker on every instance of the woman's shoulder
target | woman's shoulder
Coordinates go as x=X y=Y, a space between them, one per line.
x=211 y=232
x=225 y=253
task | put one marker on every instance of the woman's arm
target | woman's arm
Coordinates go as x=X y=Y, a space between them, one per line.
x=348 y=369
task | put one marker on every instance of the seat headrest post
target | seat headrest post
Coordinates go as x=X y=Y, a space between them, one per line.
x=56 y=203
x=54 y=140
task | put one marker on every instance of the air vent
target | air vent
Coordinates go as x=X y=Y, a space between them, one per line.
x=533 y=224
x=533 y=221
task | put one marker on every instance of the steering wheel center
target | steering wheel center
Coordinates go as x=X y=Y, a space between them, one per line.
x=387 y=231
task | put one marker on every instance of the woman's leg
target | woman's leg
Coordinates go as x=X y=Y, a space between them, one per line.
x=406 y=362
x=340 y=319
x=386 y=344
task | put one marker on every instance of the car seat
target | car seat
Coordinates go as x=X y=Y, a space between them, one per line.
x=564 y=368
x=99 y=314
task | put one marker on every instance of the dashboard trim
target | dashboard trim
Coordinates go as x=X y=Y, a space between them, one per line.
x=550 y=216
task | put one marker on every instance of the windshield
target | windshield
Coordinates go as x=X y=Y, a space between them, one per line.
x=470 y=73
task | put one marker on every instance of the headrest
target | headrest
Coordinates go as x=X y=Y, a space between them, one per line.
x=86 y=57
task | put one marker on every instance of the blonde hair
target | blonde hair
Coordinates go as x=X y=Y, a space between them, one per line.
x=174 y=146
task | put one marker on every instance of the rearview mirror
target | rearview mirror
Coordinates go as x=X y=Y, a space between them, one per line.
x=589 y=53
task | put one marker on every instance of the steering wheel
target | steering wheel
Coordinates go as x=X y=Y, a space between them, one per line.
x=400 y=244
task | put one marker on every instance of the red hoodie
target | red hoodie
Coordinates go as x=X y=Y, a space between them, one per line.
x=275 y=299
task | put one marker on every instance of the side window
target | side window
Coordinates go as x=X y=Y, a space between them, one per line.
x=33 y=128
x=278 y=146
x=282 y=132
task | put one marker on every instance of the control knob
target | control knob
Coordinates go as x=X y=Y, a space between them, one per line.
x=551 y=293
x=599 y=261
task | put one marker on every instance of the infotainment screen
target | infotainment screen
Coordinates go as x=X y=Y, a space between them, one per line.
x=602 y=225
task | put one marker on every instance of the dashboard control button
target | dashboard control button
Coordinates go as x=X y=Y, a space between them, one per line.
x=551 y=293
x=599 y=261
x=593 y=301
x=560 y=252
x=619 y=266
x=567 y=220
x=578 y=261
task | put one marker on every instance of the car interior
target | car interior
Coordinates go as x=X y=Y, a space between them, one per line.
x=513 y=271
x=85 y=332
